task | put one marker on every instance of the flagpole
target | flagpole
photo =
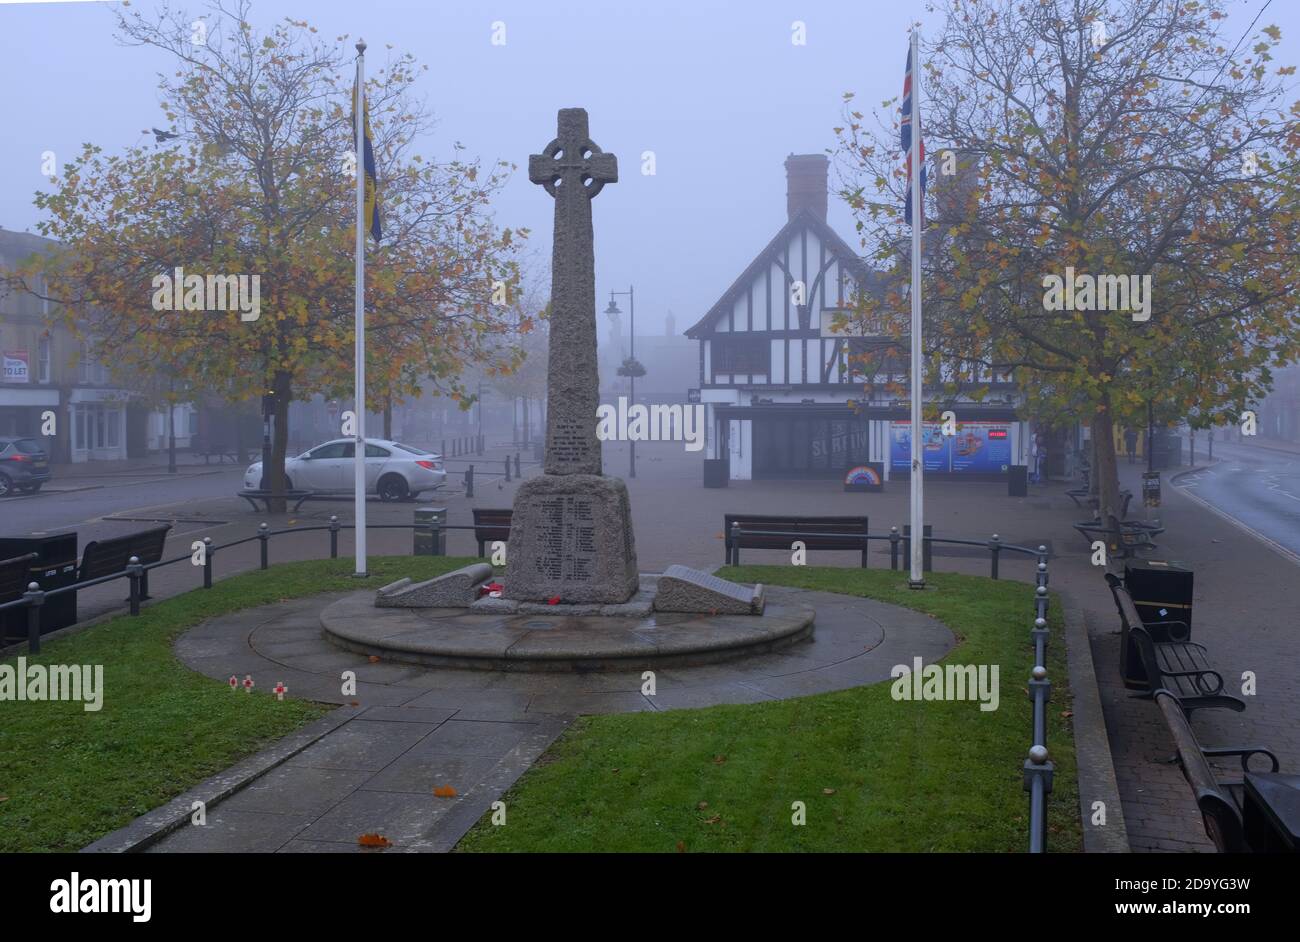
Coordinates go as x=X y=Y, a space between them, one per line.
x=917 y=577
x=359 y=397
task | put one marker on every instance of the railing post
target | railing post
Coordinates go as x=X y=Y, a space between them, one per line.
x=469 y=482
x=518 y=473
x=133 y=570
x=507 y=469
x=334 y=536
x=893 y=547
x=1039 y=634
x=1042 y=574
x=1040 y=692
x=1038 y=782
x=208 y=553
x=35 y=599
x=735 y=544
x=1042 y=554
x=995 y=547
x=264 y=535
x=1040 y=601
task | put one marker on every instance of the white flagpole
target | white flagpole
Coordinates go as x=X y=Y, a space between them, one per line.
x=359 y=398
x=917 y=579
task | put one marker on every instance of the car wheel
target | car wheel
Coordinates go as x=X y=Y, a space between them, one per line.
x=6 y=485
x=393 y=487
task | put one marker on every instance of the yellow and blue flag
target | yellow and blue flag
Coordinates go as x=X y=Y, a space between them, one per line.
x=368 y=163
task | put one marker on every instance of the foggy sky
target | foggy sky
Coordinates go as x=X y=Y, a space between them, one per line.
x=716 y=89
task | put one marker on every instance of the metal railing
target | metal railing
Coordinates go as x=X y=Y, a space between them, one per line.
x=899 y=545
x=1038 y=767
x=134 y=573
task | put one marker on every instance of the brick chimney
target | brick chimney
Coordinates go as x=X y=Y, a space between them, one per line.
x=805 y=176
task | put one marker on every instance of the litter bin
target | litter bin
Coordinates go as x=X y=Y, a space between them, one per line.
x=425 y=542
x=1162 y=592
x=716 y=472
x=1018 y=480
x=55 y=565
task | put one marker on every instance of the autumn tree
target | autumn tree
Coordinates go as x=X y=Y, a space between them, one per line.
x=260 y=182
x=1124 y=138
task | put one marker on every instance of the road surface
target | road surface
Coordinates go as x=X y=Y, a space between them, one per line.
x=1258 y=487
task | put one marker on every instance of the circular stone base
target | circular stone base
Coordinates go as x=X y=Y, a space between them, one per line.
x=451 y=637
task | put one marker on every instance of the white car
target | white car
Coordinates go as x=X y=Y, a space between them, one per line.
x=393 y=471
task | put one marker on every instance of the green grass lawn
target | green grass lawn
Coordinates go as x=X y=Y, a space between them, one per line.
x=68 y=776
x=874 y=774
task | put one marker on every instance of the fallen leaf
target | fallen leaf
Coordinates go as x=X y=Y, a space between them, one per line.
x=354 y=703
x=4 y=797
x=702 y=805
x=828 y=791
x=713 y=820
x=374 y=659
x=615 y=771
x=445 y=791
x=718 y=760
x=374 y=840
x=1066 y=714
x=681 y=847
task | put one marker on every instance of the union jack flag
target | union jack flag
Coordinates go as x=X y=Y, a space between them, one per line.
x=906 y=135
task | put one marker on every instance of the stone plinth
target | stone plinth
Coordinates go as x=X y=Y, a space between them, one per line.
x=455 y=589
x=571 y=536
x=682 y=589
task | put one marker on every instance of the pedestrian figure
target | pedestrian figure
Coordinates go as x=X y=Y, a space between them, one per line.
x=1130 y=443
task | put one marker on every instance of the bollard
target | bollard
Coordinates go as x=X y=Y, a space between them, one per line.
x=35 y=599
x=735 y=544
x=518 y=473
x=263 y=534
x=334 y=536
x=893 y=547
x=479 y=442
x=133 y=569
x=444 y=448
x=469 y=482
x=995 y=547
x=507 y=469
x=1038 y=782
x=208 y=553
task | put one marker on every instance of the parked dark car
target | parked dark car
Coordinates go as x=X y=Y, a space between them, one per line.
x=24 y=465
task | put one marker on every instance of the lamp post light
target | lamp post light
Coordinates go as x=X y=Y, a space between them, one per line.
x=613 y=309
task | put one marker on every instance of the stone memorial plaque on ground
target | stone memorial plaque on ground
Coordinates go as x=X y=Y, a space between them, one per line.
x=682 y=589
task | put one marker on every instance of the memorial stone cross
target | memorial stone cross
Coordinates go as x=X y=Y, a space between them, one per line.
x=573 y=170
x=571 y=532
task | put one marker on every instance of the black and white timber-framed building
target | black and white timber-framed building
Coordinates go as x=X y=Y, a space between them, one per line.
x=782 y=389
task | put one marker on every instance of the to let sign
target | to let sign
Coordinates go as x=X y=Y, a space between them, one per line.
x=15 y=366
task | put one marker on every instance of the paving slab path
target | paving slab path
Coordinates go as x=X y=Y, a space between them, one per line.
x=419 y=729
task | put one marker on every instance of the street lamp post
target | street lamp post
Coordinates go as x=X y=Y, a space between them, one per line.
x=631 y=307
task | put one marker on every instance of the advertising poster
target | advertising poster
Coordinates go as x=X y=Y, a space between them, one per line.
x=977 y=448
x=15 y=367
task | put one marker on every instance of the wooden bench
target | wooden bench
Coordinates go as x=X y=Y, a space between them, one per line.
x=491 y=525
x=106 y=557
x=1219 y=801
x=220 y=450
x=1082 y=497
x=1170 y=660
x=816 y=533
x=253 y=495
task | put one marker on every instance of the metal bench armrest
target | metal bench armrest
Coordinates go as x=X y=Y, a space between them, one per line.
x=1245 y=752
